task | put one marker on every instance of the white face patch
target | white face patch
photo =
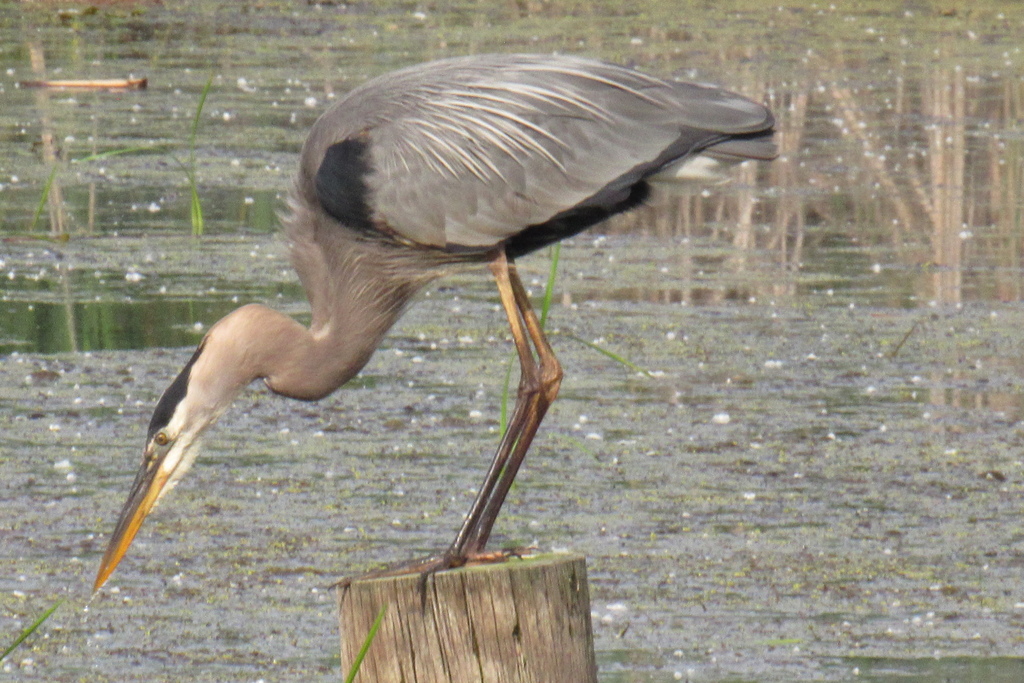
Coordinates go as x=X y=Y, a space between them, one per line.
x=178 y=462
x=184 y=431
x=195 y=400
x=170 y=404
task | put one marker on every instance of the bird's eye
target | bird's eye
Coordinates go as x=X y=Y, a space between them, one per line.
x=161 y=439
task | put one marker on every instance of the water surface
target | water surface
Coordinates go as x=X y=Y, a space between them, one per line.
x=820 y=481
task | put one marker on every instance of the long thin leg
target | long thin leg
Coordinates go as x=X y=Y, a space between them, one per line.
x=539 y=380
x=546 y=378
x=501 y=270
x=538 y=385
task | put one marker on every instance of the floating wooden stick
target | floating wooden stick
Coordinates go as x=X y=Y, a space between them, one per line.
x=97 y=84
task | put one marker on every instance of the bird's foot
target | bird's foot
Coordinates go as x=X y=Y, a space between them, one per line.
x=431 y=565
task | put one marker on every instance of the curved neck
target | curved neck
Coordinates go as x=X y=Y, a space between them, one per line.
x=257 y=342
x=297 y=363
x=357 y=289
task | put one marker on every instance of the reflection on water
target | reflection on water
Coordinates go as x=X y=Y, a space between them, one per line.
x=131 y=292
x=617 y=666
x=908 y=191
x=93 y=326
x=989 y=670
x=897 y=185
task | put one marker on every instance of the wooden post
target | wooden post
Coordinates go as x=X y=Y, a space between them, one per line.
x=518 y=621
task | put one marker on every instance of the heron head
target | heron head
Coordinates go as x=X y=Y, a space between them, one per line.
x=197 y=397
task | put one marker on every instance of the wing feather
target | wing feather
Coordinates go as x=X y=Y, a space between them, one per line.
x=469 y=152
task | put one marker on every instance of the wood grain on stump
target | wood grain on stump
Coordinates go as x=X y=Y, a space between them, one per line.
x=518 y=621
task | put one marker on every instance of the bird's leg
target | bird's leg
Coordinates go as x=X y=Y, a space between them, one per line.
x=502 y=271
x=539 y=380
x=538 y=385
x=536 y=394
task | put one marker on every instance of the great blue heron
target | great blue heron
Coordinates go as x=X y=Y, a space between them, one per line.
x=461 y=161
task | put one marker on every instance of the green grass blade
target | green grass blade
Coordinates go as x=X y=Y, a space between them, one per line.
x=610 y=354
x=42 y=199
x=100 y=156
x=549 y=288
x=577 y=442
x=545 y=307
x=896 y=349
x=30 y=630
x=366 y=644
x=196 y=208
x=195 y=205
x=198 y=226
x=195 y=119
x=503 y=417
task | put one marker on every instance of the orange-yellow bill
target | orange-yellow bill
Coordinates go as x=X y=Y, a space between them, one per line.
x=149 y=482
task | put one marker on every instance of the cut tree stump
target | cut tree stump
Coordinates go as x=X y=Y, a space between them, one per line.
x=517 y=621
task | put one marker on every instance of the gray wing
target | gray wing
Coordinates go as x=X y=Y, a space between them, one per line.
x=468 y=152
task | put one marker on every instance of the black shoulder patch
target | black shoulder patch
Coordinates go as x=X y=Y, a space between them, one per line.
x=587 y=213
x=172 y=396
x=341 y=183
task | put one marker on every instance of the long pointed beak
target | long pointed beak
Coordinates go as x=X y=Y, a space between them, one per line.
x=149 y=482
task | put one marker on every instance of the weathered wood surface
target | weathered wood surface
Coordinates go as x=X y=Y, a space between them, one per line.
x=519 y=621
